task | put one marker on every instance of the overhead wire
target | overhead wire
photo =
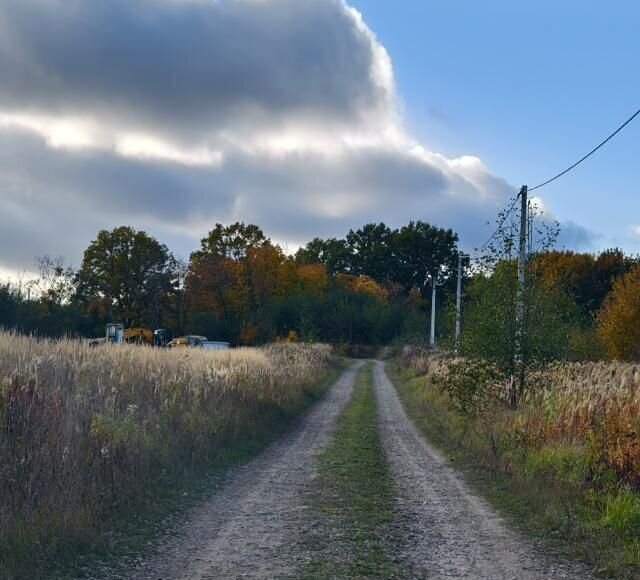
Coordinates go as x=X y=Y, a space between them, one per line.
x=602 y=144
x=558 y=176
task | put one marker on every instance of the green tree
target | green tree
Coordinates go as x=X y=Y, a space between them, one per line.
x=490 y=330
x=130 y=273
x=9 y=302
x=490 y=319
x=232 y=241
x=332 y=253
x=422 y=250
x=371 y=251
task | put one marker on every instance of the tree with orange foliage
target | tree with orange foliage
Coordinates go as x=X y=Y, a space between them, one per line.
x=313 y=278
x=270 y=274
x=235 y=275
x=363 y=285
x=217 y=284
x=619 y=318
x=585 y=277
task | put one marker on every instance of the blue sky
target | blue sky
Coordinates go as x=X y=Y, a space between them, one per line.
x=528 y=87
x=309 y=118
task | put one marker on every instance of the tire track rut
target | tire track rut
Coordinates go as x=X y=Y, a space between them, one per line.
x=447 y=531
x=252 y=527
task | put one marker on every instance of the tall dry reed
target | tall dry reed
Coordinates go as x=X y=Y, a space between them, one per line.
x=592 y=407
x=84 y=430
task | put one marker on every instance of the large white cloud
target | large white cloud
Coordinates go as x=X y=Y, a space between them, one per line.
x=171 y=115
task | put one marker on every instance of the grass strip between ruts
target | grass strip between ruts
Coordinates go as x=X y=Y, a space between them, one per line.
x=353 y=498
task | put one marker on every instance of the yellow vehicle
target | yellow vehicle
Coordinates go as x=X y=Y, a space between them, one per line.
x=186 y=341
x=138 y=335
x=117 y=334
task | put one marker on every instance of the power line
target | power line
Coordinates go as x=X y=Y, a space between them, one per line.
x=588 y=154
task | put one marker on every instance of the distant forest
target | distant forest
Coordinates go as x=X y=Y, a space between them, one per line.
x=371 y=287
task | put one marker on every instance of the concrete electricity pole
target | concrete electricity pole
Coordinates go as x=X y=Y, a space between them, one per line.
x=434 y=286
x=520 y=298
x=459 y=301
x=432 y=335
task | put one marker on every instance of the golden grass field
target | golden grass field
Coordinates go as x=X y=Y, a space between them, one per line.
x=84 y=430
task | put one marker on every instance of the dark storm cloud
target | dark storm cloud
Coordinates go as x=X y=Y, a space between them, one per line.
x=55 y=201
x=292 y=102
x=188 y=65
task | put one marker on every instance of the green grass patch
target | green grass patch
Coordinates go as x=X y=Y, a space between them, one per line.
x=544 y=491
x=353 y=496
x=129 y=531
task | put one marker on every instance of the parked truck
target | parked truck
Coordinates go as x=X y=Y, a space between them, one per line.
x=116 y=333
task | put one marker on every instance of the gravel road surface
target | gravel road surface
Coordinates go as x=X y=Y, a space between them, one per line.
x=448 y=531
x=252 y=527
x=260 y=523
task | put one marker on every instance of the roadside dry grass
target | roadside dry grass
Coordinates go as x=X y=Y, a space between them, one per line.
x=354 y=496
x=562 y=465
x=88 y=434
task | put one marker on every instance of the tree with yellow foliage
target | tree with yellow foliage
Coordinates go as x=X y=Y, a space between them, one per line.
x=619 y=318
x=313 y=278
x=363 y=285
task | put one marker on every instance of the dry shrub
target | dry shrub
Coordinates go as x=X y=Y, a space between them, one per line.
x=472 y=384
x=84 y=430
x=593 y=407
x=423 y=361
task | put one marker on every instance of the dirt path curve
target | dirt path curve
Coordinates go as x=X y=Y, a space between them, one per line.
x=449 y=532
x=252 y=527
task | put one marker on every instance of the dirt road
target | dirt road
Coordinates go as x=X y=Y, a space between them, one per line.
x=252 y=527
x=259 y=524
x=449 y=532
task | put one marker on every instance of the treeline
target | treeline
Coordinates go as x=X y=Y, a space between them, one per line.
x=569 y=302
x=368 y=288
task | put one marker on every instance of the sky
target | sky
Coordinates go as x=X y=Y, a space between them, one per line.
x=311 y=117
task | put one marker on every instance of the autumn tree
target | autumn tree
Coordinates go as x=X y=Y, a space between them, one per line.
x=587 y=278
x=130 y=273
x=270 y=274
x=236 y=273
x=333 y=254
x=216 y=284
x=619 y=318
x=313 y=278
x=363 y=285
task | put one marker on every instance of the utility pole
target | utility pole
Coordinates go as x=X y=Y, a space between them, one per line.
x=432 y=336
x=518 y=380
x=459 y=301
